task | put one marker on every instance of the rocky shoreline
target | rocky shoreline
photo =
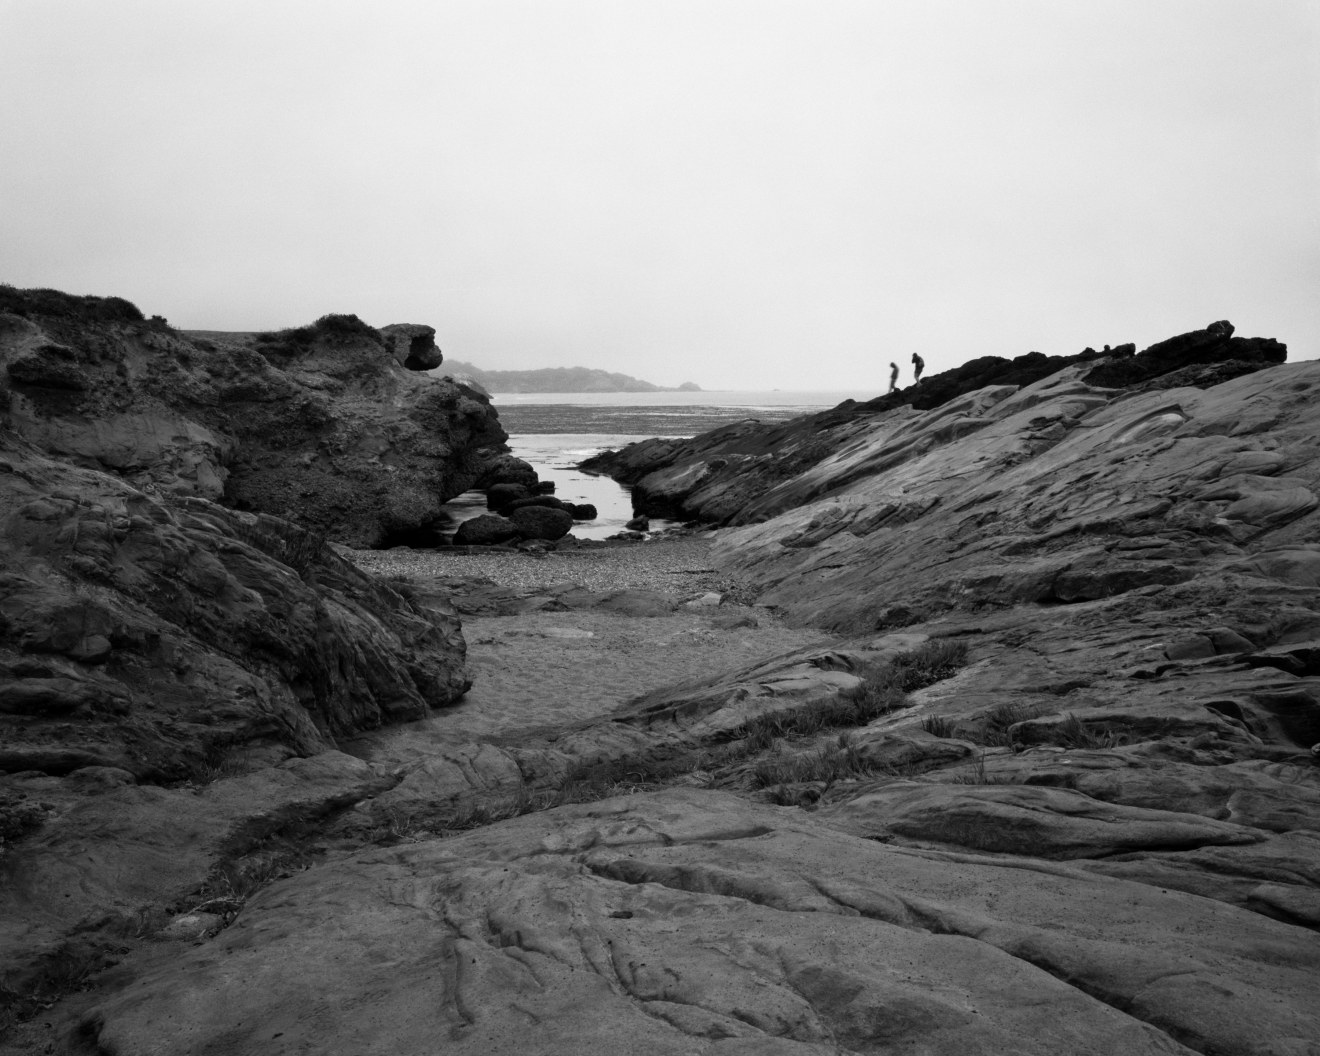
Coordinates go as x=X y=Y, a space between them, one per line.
x=981 y=726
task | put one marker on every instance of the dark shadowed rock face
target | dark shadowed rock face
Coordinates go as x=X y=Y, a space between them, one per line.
x=334 y=425
x=488 y=529
x=154 y=635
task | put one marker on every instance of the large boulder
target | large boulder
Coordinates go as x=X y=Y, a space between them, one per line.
x=506 y=469
x=548 y=501
x=413 y=345
x=333 y=425
x=542 y=522
x=502 y=496
x=489 y=529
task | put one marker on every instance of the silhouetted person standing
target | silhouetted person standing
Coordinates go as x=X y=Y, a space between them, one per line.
x=893 y=376
x=918 y=365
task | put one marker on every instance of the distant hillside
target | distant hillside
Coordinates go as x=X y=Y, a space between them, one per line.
x=553 y=379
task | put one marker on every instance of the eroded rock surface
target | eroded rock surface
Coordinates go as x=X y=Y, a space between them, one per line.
x=146 y=640
x=1090 y=823
x=147 y=635
x=695 y=922
x=334 y=425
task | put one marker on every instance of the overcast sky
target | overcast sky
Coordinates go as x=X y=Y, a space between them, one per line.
x=742 y=194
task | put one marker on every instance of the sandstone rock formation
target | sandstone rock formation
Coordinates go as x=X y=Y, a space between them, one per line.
x=332 y=424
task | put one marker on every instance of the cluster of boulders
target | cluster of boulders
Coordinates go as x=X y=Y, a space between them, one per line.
x=522 y=508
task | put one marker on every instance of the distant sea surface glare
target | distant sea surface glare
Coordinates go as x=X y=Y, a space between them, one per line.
x=556 y=431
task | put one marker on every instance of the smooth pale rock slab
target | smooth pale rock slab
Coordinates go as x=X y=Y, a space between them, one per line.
x=1244 y=793
x=692 y=922
x=1299 y=567
x=1287 y=902
x=1279 y=877
x=1272 y=507
x=1025 y=819
x=120 y=848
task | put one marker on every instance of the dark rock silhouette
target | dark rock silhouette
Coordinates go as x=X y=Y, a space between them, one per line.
x=541 y=522
x=486 y=530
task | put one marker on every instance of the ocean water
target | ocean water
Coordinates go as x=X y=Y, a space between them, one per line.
x=556 y=431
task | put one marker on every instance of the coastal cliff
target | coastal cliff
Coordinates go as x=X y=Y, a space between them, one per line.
x=335 y=425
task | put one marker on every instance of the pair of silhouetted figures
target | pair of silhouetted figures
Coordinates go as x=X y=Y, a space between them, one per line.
x=918 y=365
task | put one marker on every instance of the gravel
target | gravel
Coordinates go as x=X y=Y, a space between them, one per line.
x=673 y=566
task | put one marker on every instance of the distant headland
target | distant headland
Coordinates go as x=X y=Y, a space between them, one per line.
x=552 y=379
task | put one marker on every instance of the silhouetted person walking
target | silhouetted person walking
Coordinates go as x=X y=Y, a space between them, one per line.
x=893 y=376
x=918 y=365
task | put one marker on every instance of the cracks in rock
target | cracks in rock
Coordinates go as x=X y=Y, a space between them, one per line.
x=911 y=914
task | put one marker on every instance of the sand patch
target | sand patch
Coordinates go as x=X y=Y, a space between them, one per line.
x=553 y=669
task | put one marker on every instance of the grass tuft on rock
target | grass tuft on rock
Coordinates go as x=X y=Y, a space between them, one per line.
x=333 y=329
x=883 y=688
x=53 y=304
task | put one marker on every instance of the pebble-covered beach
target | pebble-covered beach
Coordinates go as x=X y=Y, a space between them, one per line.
x=673 y=565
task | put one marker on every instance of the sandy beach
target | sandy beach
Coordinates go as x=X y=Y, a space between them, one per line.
x=547 y=669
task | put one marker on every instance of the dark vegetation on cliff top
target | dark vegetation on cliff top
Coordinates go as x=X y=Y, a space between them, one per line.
x=334 y=329
x=53 y=304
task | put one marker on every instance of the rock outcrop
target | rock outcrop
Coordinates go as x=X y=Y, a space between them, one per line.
x=744 y=472
x=1050 y=788
x=147 y=641
x=696 y=922
x=156 y=635
x=334 y=425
